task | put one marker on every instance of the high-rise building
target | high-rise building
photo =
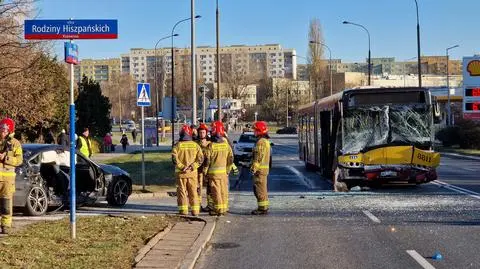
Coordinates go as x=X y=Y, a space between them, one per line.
x=99 y=70
x=253 y=62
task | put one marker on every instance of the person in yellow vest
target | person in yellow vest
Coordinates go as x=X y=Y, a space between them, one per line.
x=187 y=156
x=218 y=162
x=260 y=167
x=10 y=156
x=83 y=143
x=203 y=143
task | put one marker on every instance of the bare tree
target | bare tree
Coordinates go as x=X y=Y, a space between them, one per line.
x=121 y=91
x=317 y=67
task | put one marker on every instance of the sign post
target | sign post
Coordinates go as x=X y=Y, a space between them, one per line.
x=143 y=100
x=71 y=29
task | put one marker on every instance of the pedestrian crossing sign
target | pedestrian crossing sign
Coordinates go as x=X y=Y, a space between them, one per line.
x=143 y=94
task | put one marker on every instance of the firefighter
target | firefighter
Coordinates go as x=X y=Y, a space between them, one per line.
x=187 y=156
x=260 y=167
x=10 y=157
x=233 y=169
x=203 y=143
x=219 y=158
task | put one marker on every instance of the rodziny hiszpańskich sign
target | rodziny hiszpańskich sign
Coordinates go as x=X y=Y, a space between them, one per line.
x=71 y=29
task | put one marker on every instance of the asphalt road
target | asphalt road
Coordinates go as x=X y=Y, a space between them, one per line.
x=309 y=226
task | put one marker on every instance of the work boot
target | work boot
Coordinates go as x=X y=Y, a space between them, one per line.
x=5 y=230
x=213 y=213
x=259 y=212
x=205 y=209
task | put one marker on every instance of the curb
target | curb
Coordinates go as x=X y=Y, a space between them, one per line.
x=151 y=243
x=191 y=258
x=149 y=195
x=459 y=156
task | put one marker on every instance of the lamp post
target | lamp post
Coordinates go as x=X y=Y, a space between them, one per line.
x=256 y=114
x=449 y=110
x=173 y=78
x=329 y=63
x=369 y=54
x=155 y=81
x=219 y=117
x=404 y=73
x=418 y=49
x=193 y=60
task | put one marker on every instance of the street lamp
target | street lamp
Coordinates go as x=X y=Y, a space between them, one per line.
x=418 y=49
x=449 y=119
x=173 y=78
x=155 y=81
x=369 y=54
x=329 y=62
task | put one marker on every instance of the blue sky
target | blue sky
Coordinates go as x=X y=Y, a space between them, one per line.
x=392 y=25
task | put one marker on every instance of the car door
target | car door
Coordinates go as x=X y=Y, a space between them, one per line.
x=85 y=174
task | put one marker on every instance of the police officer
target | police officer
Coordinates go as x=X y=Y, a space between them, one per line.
x=203 y=142
x=187 y=156
x=10 y=157
x=218 y=161
x=260 y=167
x=83 y=143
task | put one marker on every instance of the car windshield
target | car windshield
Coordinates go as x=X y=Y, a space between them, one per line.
x=247 y=139
x=381 y=125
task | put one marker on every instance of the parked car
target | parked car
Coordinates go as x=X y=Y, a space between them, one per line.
x=42 y=180
x=243 y=149
x=287 y=130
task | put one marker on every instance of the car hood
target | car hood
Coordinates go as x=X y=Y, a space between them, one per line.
x=114 y=170
x=245 y=145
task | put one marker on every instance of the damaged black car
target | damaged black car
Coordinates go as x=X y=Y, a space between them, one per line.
x=42 y=181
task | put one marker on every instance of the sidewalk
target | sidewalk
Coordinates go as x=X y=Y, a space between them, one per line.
x=178 y=247
x=459 y=156
x=99 y=157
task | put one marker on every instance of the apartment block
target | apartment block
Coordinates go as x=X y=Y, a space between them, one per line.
x=99 y=70
x=255 y=62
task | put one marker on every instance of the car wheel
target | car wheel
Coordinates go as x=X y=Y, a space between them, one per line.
x=118 y=192
x=37 y=201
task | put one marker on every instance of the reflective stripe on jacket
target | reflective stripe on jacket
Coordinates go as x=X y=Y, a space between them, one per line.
x=218 y=158
x=13 y=158
x=261 y=156
x=186 y=153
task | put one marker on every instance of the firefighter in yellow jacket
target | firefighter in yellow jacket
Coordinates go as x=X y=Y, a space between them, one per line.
x=203 y=142
x=10 y=157
x=187 y=156
x=218 y=162
x=260 y=167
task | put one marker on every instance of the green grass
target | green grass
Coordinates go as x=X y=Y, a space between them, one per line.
x=158 y=167
x=102 y=242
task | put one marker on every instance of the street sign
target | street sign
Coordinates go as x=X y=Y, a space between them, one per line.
x=143 y=94
x=71 y=29
x=71 y=53
x=471 y=89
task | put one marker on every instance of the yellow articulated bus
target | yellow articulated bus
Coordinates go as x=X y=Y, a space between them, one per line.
x=370 y=136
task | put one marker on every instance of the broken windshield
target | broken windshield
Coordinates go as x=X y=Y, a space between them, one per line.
x=368 y=127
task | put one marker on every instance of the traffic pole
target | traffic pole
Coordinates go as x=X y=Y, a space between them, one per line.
x=73 y=200
x=143 y=149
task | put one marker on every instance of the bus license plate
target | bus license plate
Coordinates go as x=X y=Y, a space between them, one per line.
x=388 y=174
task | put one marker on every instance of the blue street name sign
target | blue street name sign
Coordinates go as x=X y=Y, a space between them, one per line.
x=143 y=94
x=71 y=29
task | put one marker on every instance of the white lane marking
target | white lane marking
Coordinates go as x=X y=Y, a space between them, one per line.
x=371 y=216
x=457 y=189
x=421 y=260
x=303 y=178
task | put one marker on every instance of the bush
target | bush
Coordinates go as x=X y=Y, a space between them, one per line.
x=465 y=133
x=449 y=136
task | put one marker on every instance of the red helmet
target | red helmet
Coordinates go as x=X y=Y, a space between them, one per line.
x=8 y=123
x=260 y=128
x=202 y=126
x=218 y=128
x=186 y=130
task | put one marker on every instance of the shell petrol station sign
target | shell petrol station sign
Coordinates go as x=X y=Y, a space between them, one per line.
x=471 y=87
